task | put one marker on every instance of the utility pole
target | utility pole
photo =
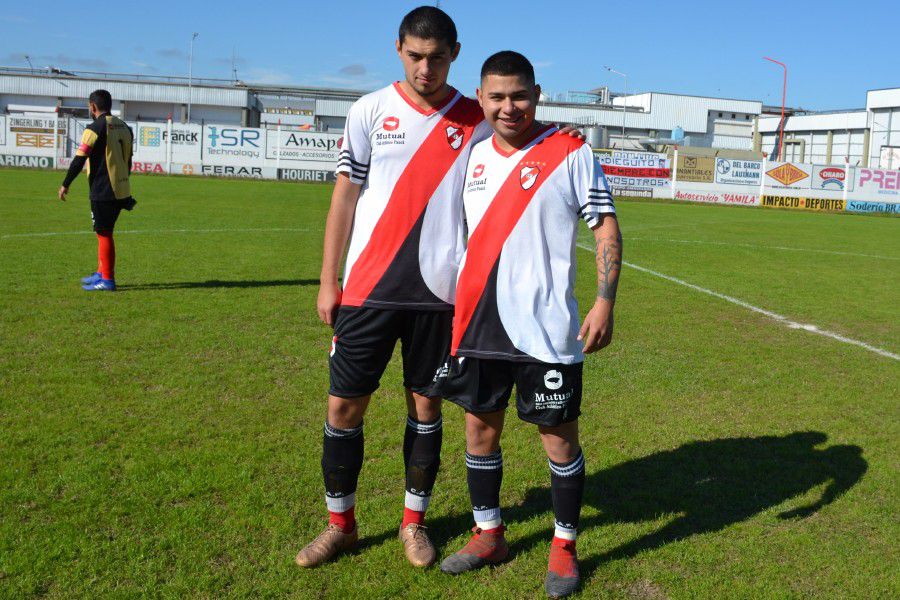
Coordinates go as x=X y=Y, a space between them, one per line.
x=191 y=76
x=624 y=99
x=783 y=96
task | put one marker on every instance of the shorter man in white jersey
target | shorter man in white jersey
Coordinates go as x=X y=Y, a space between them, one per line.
x=516 y=320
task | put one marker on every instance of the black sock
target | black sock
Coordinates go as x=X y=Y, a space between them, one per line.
x=567 y=489
x=484 y=474
x=422 y=457
x=342 y=458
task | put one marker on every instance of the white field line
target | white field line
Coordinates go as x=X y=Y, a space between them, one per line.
x=155 y=231
x=765 y=247
x=774 y=316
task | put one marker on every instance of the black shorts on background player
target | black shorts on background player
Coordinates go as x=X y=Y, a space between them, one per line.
x=546 y=394
x=364 y=340
x=105 y=213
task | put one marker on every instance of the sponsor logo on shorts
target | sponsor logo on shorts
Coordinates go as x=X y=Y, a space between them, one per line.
x=552 y=401
x=442 y=372
x=553 y=379
x=333 y=346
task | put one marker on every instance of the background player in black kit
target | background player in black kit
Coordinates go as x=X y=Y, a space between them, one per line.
x=106 y=148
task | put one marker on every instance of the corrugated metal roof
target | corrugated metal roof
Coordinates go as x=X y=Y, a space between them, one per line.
x=333 y=108
x=821 y=122
x=76 y=87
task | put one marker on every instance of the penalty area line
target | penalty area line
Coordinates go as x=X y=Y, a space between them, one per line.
x=791 y=324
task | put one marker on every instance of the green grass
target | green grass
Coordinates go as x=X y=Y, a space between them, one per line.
x=165 y=440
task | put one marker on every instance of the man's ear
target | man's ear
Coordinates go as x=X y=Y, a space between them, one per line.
x=455 y=52
x=478 y=95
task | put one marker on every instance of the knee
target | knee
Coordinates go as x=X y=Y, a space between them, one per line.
x=481 y=438
x=344 y=413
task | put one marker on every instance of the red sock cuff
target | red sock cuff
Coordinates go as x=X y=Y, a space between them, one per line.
x=412 y=516
x=345 y=520
x=563 y=543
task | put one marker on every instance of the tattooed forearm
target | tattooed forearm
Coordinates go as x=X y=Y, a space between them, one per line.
x=609 y=263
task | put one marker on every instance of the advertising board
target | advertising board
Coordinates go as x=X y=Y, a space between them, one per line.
x=308 y=146
x=737 y=172
x=878 y=182
x=634 y=173
x=697 y=169
x=717 y=197
x=788 y=176
x=830 y=177
x=821 y=204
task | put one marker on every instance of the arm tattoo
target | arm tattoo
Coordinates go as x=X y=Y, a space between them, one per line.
x=609 y=263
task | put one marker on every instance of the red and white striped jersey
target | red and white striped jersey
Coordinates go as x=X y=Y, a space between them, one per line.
x=408 y=234
x=515 y=293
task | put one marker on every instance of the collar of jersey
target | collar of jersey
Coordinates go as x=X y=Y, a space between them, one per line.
x=450 y=96
x=506 y=154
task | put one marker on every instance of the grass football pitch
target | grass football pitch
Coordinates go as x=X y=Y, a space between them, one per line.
x=165 y=440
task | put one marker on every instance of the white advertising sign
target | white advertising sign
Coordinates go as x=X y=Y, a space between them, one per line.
x=738 y=172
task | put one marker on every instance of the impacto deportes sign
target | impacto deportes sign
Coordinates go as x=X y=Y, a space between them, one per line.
x=697 y=169
x=788 y=176
x=878 y=181
x=737 y=172
x=802 y=203
x=830 y=178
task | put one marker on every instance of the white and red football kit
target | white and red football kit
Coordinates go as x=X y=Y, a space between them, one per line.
x=515 y=292
x=408 y=234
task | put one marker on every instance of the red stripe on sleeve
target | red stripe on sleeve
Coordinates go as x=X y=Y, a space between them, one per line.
x=498 y=222
x=414 y=188
x=84 y=148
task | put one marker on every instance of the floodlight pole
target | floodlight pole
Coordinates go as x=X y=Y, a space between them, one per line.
x=624 y=99
x=191 y=76
x=783 y=96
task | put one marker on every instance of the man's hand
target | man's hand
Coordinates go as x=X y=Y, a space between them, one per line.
x=63 y=190
x=597 y=328
x=328 y=302
x=572 y=132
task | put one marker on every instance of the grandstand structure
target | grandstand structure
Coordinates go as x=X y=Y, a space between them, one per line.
x=867 y=137
x=710 y=122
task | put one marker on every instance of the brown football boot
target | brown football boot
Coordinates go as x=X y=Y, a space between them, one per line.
x=418 y=547
x=327 y=545
x=482 y=549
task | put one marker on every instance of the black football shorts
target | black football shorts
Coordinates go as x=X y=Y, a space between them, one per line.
x=105 y=213
x=364 y=340
x=546 y=393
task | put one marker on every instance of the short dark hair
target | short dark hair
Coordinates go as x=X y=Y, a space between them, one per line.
x=508 y=62
x=428 y=23
x=101 y=99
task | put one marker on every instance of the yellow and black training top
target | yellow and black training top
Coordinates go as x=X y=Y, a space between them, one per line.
x=106 y=148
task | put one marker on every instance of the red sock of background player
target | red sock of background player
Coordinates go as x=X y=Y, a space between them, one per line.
x=106 y=254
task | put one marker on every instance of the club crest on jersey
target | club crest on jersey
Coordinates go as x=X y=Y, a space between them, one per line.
x=391 y=123
x=479 y=169
x=528 y=175
x=455 y=136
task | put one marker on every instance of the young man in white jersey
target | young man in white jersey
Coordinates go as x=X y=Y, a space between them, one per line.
x=398 y=201
x=516 y=320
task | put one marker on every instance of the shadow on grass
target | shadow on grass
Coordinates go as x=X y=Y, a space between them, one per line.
x=708 y=485
x=214 y=283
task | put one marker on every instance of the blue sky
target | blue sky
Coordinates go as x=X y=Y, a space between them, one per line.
x=833 y=51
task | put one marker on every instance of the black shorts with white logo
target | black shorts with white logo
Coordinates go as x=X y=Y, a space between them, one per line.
x=364 y=340
x=546 y=393
x=105 y=213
